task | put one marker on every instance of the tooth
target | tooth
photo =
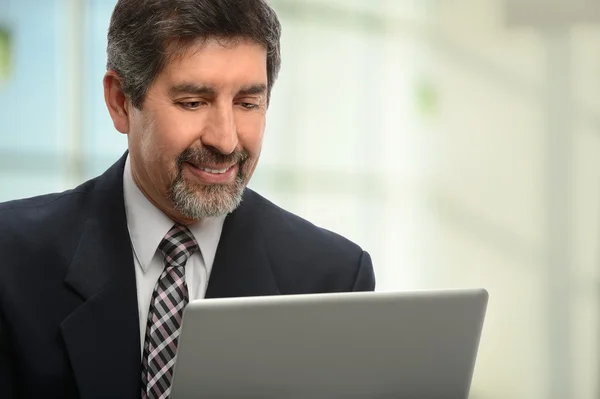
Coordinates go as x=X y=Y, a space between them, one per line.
x=215 y=171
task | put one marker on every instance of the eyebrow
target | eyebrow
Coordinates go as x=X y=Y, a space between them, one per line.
x=253 y=90
x=203 y=90
x=191 y=88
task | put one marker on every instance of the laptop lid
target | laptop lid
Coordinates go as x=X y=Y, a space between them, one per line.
x=420 y=344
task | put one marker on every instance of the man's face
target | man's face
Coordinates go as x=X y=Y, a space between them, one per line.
x=197 y=140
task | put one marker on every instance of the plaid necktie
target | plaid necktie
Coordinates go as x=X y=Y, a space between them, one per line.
x=169 y=298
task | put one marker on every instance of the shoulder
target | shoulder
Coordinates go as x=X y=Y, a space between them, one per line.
x=43 y=212
x=57 y=211
x=295 y=230
x=310 y=258
x=43 y=228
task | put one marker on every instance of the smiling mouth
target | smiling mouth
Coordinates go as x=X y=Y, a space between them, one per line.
x=214 y=171
x=214 y=174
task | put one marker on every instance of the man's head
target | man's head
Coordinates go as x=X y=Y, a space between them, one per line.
x=189 y=82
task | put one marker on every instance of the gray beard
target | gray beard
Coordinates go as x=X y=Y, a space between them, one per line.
x=203 y=202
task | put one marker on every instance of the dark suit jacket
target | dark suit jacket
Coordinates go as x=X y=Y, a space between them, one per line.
x=68 y=304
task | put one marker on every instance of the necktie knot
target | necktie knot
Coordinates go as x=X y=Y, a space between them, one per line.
x=177 y=246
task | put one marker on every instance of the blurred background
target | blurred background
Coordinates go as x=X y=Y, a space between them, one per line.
x=458 y=141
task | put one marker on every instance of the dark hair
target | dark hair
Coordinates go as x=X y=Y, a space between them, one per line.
x=142 y=34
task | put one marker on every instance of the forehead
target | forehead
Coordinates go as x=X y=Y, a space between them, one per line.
x=218 y=63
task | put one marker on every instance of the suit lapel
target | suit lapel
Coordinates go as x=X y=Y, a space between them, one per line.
x=242 y=266
x=102 y=335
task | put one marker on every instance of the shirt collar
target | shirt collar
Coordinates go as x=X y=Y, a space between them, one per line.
x=148 y=225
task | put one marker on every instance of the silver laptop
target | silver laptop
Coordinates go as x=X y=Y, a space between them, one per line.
x=419 y=344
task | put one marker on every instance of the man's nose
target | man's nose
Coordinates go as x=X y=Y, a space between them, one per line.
x=221 y=131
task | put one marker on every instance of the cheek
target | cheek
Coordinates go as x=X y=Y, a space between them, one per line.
x=140 y=141
x=150 y=146
x=155 y=149
x=171 y=138
x=253 y=145
x=251 y=137
x=146 y=144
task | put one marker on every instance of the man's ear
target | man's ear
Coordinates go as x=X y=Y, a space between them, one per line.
x=116 y=101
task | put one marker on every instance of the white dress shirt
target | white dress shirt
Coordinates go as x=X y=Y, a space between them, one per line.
x=147 y=226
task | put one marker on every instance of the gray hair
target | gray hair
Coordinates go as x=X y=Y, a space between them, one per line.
x=142 y=34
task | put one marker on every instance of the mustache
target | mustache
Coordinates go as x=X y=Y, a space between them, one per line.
x=211 y=156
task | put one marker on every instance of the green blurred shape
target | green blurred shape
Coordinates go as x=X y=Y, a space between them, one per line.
x=5 y=54
x=427 y=98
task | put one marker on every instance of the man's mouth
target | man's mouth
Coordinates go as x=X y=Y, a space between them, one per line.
x=215 y=174
x=215 y=171
x=214 y=168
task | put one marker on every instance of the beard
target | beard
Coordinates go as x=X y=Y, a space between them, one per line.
x=199 y=201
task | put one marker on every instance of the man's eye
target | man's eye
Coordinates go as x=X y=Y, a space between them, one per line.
x=249 y=105
x=190 y=104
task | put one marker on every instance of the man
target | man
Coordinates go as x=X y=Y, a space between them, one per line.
x=93 y=281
